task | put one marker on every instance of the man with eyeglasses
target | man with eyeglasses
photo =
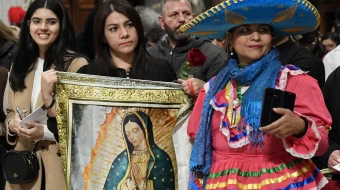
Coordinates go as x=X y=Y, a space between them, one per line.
x=175 y=45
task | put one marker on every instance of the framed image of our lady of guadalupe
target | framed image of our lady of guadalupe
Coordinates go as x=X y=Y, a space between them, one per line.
x=116 y=133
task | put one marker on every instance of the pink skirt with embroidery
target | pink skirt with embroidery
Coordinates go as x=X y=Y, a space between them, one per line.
x=278 y=171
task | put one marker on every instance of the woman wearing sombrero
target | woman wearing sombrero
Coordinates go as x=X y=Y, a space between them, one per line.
x=231 y=149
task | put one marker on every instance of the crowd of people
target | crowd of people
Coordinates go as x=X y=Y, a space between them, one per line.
x=241 y=51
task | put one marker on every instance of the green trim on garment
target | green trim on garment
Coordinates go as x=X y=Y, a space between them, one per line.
x=256 y=174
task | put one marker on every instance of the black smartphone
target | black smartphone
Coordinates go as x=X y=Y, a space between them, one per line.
x=275 y=98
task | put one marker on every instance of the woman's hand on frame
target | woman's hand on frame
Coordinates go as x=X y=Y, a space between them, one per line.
x=48 y=80
x=195 y=84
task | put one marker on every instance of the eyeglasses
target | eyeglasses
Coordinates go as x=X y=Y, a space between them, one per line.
x=38 y=21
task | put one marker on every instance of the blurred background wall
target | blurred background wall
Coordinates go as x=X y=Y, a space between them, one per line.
x=80 y=9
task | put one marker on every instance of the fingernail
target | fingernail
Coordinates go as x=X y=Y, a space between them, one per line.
x=275 y=109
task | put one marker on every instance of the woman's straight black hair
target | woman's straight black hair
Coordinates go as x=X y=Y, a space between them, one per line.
x=103 y=63
x=58 y=54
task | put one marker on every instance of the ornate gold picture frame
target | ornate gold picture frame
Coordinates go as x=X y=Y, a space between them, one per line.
x=116 y=133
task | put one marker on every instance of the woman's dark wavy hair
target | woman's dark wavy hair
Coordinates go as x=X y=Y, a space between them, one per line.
x=28 y=51
x=331 y=36
x=85 y=38
x=103 y=63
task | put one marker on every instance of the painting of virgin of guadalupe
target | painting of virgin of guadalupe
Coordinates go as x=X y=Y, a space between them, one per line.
x=142 y=165
x=117 y=133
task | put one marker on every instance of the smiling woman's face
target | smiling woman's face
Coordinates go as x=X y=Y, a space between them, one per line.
x=251 y=42
x=44 y=27
x=134 y=133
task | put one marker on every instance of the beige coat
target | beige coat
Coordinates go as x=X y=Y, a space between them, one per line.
x=47 y=151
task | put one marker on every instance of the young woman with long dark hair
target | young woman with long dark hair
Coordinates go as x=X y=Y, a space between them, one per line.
x=47 y=43
x=120 y=46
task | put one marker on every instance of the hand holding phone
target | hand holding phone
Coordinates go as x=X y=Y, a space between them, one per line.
x=274 y=98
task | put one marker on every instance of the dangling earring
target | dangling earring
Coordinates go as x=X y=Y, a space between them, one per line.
x=231 y=51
